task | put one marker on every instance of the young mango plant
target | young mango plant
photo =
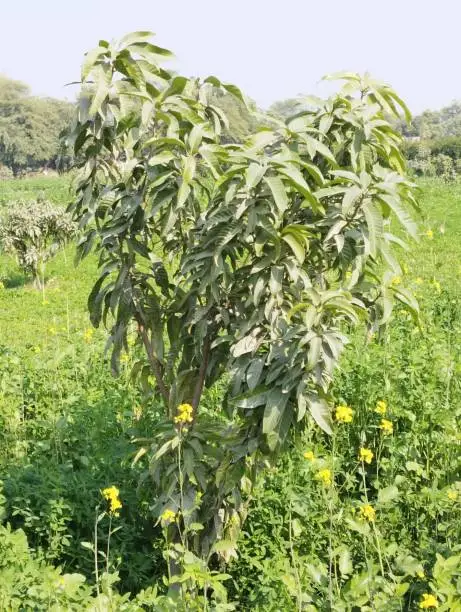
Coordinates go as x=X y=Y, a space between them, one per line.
x=239 y=264
x=33 y=232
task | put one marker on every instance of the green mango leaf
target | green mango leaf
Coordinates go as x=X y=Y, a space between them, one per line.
x=320 y=412
x=278 y=192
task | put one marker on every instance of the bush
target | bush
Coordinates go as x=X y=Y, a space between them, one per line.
x=5 y=173
x=34 y=232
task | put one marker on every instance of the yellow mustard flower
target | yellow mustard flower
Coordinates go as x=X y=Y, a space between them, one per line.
x=137 y=413
x=45 y=302
x=430 y=234
x=366 y=455
x=344 y=414
x=428 y=601
x=397 y=280
x=452 y=495
x=419 y=281
x=124 y=358
x=112 y=496
x=88 y=334
x=381 y=407
x=437 y=286
x=52 y=330
x=309 y=455
x=325 y=477
x=168 y=516
x=184 y=414
x=420 y=573
x=386 y=426
x=368 y=512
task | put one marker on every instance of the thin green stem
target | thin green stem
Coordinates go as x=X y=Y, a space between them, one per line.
x=293 y=561
x=375 y=533
x=95 y=550
x=108 y=543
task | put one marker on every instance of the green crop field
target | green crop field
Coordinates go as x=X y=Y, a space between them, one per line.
x=68 y=429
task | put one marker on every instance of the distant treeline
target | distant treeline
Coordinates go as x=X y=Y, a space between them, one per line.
x=29 y=128
x=433 y=142
x=450 y=146
x=439 y=157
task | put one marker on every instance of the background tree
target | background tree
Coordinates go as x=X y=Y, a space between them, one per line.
x=29 y=127
x=241 y=264
x=243 y=117
x=287 y=108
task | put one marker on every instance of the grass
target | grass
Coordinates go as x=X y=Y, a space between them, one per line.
x=27 y=316
x=52 y=188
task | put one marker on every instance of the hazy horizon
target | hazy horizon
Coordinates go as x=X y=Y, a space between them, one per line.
x=272 y=53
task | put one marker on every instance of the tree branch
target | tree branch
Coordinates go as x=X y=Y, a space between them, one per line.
x=154 y=363
x=201 y=374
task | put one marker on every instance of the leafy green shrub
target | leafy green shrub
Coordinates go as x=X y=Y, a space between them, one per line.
x=58 y=422
x=29 y=584
x=450 y=146
x=241 y=265
x=26 y=583
x=5 y=173
x=33 y=232
x=444 y=167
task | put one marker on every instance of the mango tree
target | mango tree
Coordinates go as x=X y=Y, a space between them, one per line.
x=240 y=267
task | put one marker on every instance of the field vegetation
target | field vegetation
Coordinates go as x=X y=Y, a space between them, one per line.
x=132 y=477
x=67 y=428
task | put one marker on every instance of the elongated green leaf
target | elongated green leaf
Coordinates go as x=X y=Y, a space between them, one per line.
x=189 y=170
x=275 y=283
x=321 y=148
x=297 y=180
x=125 y=64
x=183 y=194
x=320 y=412
x=253 y=175
x=103 y=77
x=314 y=352
x=401 y=103
x=135 y=37
x=278 y=192
x=161 y=159
x=374 y=224
x=260 y=140
x=147 y=49
x=402 y=215
x=251 y=400
x=347 y=76
x=90 y=60
x=296 y=246
x=274 y=409
x=254 y=372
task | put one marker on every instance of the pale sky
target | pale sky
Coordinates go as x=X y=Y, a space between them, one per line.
x=272 y=49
